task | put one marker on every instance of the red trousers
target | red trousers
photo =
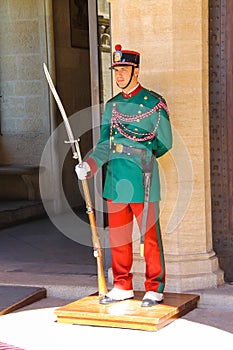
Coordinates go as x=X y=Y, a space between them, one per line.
x=120 y=235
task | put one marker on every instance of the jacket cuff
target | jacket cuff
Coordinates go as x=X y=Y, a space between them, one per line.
x=93 y=166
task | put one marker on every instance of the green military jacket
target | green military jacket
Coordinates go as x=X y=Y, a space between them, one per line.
x=140 y=121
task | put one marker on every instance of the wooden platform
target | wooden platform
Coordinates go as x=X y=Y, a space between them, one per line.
x=127 y=313
x=16 y=297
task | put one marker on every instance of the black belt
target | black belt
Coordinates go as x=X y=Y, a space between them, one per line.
x=118 y=148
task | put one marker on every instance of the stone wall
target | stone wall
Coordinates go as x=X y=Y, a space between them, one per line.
x=33 y=32
x=24 y=117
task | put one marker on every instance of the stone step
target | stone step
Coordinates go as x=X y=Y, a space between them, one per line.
x=66 y=286
x=14 y=212
x=217 y=298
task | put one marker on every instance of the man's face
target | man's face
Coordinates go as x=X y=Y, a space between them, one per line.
x=123 y=75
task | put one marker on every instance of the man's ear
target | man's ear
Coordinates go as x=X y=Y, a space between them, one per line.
x=136 y=71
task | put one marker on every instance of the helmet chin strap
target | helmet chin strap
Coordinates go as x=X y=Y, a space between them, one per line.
x=130 y=79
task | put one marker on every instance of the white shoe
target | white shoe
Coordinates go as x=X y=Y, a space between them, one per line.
x=153 y=296
x=151 y=299
x=116 y=294
x=120 y=294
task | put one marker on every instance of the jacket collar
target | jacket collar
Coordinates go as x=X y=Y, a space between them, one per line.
x=132 y=92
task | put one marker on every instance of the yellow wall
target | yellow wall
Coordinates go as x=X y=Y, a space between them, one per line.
x=172 y=37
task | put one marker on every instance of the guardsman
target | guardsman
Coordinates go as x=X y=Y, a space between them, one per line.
x=135 y=131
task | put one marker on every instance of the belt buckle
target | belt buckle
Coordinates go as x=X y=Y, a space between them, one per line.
x=119 y=148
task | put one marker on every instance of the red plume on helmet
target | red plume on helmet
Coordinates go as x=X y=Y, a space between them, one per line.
x=125 y=57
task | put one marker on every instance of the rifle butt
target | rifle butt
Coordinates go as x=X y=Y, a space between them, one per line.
x=102 y=288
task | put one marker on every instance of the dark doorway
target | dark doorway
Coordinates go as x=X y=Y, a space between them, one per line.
x=221 y=129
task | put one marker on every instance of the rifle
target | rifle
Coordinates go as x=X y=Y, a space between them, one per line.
x=102 y=289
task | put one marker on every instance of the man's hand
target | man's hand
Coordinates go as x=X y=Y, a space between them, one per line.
x=82 y=170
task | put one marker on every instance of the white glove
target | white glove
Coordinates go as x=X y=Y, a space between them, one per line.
x=82 y=170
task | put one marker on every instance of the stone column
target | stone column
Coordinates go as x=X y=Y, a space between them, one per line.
x=172 y=37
